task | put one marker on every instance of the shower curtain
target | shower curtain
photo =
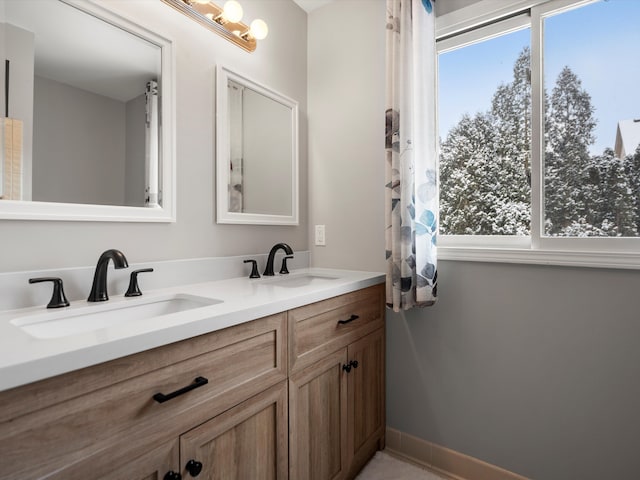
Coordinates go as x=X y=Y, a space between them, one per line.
x=152 y=157
x=235 y=122
x=411 y=193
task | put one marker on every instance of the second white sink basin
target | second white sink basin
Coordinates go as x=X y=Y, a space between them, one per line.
x=302 y=280
x=62 y=323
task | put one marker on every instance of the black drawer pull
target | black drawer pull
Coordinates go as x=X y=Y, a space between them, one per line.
x=348 y=320
x=198 y=382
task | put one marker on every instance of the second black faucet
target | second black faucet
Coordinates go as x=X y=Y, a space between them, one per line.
x=268 y=271
x=99 y=286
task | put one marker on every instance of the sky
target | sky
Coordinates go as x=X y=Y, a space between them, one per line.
x=599 y=42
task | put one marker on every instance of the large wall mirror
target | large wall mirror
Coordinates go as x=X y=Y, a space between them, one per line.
x=257 y=153
x=88 y=130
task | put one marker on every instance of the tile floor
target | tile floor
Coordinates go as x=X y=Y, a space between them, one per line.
x=386 y=467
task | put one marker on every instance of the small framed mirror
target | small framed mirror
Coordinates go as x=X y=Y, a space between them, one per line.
x=257 y=153
x=89 y=101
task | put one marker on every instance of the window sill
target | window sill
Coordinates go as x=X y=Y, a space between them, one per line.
x=624 y=260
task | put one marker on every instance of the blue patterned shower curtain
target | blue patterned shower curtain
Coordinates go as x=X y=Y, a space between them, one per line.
x=411 y=193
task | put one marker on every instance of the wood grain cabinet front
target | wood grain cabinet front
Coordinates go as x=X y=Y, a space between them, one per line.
x=320 y=328
x=116 y=412
x=336 y=385
x=248 y=441
x=336 y=412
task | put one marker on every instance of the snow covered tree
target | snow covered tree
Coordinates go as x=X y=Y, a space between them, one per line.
x=484 y=164
x=511 y=109
x=570 y=126
x=607 y=196
x=632 y=170
x=485 y=170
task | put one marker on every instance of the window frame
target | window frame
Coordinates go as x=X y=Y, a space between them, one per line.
x=488 y=19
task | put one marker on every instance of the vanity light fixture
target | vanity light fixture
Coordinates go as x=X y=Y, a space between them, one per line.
x=225 y=21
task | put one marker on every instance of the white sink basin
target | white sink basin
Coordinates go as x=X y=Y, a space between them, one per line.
x=302 y=280
x=65 y=322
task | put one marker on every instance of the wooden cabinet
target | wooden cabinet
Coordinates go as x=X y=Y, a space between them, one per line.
x=318 y=420
x=247 y=442
x=367 y=399
x=336 y=403
x=156 y=464
x=269 y=399
x=92 y=422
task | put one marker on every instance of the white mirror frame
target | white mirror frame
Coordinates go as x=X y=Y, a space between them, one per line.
x=28 y=210
x=223 y=153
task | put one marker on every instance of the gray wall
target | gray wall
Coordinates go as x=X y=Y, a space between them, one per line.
x=266 y=163
x=18 y=48
x=279 y=62
x=134 y=178
x=346 y=133
x=78 y=145
x=531 y=368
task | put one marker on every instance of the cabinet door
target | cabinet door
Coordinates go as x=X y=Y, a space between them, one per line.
x=156 y=464
x=366 y=398
x=248 y=441
x=318 y=420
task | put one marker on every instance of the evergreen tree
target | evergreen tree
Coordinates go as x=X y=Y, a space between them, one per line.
x=466 y=197
x=484 y=164
x=511 y=109
x=632 y=171
x=485 y=171
x=608 y=197
x=570 y=126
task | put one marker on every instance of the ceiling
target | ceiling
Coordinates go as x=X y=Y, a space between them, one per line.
x=309 y=5
x=85 y=52
x=442 y=6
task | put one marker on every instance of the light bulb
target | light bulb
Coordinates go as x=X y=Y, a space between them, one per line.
x=259 y=29
x=232 y=11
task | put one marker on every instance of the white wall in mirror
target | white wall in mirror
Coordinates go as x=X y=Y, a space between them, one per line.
x=86 y=96
x=257 y=152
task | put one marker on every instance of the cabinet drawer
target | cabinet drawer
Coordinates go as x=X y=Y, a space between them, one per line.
x=118 y=419
x=318 y=329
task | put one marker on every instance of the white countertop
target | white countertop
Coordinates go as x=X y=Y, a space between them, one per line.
x=25 y=359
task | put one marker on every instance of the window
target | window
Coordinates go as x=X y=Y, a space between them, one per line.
x=539 y=118
x=485 y=115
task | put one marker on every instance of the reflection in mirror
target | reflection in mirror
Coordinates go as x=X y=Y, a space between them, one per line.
x=89 y=90
x=257 y=157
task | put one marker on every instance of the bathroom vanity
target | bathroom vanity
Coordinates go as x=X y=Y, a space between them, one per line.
x=295 y=394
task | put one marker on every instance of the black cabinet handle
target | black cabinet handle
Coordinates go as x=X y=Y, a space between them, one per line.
x=171 y=475
x=198 y=382
x=354 y=363
x=348 y=320
x=193 y=467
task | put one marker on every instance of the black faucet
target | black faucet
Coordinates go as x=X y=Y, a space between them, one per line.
x=99 y=287
x=268 y=271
